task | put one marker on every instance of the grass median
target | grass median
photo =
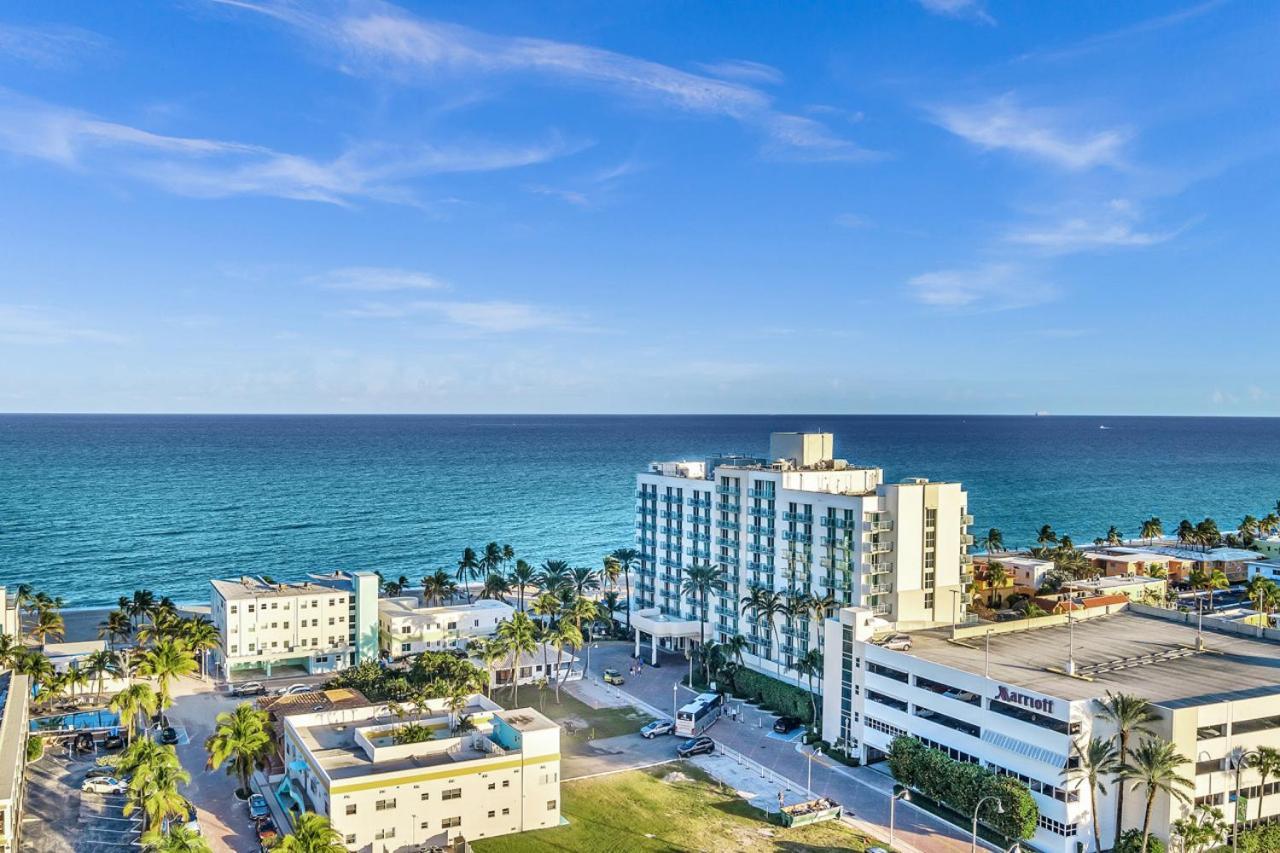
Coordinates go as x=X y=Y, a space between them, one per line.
x=675 y=807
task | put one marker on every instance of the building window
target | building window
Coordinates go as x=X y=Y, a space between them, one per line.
x=492 y=813
x=350 y=840
x=450 y=822
x=506 y=783
x=385 y=805
x=426 y=796
x=451 y=794
x=389 y=832
x=233 y=608
x=551 y=805
x=493 y=785
x=351 y=809
x=233 y=650
x=404 y=647
x=426 y=824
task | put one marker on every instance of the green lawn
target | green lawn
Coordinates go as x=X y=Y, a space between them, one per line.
x=599 y=722
x=670 y=808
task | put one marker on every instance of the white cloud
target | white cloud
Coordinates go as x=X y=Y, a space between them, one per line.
x=213 y=168
x=995 y=286
x=573 y=197
x=28 y=324
x=384 y=40
x=974 y=9
x=378 y=279
x=487 y=316
x=853 y=220
x=1002 y=123
x=744 y=70
x=1116 y=226
x=47 y=46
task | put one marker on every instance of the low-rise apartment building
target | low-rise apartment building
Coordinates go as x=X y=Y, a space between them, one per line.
x=801 y=523
x=380 y=793
x=15 y=691
x=409 y=628
x=324 y=624
x=999 y=695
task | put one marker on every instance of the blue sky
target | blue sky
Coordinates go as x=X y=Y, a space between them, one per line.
x=933 y=206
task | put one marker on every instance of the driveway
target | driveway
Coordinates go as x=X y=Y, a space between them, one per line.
x=859 y=790
x=59 y=818
x=615 y=754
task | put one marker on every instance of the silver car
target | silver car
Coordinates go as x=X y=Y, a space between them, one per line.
x=898 y=643
x=657 y=727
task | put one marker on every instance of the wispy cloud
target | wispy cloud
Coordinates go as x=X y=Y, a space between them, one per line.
x=33 y=325
x=1002 y=123
x=1143 y=27
x=381 y=39
x=214 y=168
x=993 y=287
x=853 y=220
x=971 y=9
x=487 y=316
x=378 y=279
x=1116 y=226
x=47 y=46
x=744 y=70
x=573 y=197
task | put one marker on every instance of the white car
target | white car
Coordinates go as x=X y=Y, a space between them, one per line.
x=109 y=785
x=294 y=689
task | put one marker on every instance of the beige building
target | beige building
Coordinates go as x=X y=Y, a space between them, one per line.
x=324 y=624
x=408 y=628
x=380 y=795
x=799 y=521
x=15 y=691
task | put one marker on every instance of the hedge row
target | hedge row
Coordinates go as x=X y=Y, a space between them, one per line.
x=960 y=785
x=1263 y=839
x=775 y=695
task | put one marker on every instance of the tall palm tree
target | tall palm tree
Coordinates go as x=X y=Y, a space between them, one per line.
x=993 y=542
x=996 y=575
x=1130 y=715
x=520 y=636
x=808 y=665
x=547 y=606
x=179 y=839
x=10 y=650
x=468 y=566
x=496 y=587
x=1186 y=532
x=1267 y=763
x=1208 y=581
x=201 y=637
x=165 y=661
x=1113 y=536
x=559 y=637
x=34 y=665
x=1207 y=534
x=1097 y=762
x=240 y=739
x=1046 y=537
x=554 y=576
x=154 y=789
x=627 y=558
x=141 y=606
x=610 y=570
x=491 y=558
x=522 y=577
x=437 y=586
x=1248 y=527
x=48 y=624
x=115 y=628
x=698 y=583
x=312 y=833
x=1152 y=529
x=584 y=580
x=98 y=665
x=134 y=701
x=490 y=652
x=1153 y=767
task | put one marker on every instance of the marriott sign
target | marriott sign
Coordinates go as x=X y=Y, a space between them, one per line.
x=1004 y=694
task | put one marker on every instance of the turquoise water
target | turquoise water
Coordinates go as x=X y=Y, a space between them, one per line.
x=93 y=506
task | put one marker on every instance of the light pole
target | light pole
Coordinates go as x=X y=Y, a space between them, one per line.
x=1242 y=760
x=973 y=845
x=675 y=702
x=905 y=796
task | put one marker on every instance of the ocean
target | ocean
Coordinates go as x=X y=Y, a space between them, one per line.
x=93 y=506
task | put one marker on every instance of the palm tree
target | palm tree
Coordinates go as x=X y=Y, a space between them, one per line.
x=808 y=665
x=496 y=587
x=134 y=701
x=821 y=607
x=311 y=834
x=468 y=566
x=584 y=580
x=1267 y=763
x=1200 y=829
x=141 y=605
x=201 y=637
x=554 y=576
x=10 y=650
x=1113 y=536
x=1098 y=761
x=581 y=610
x=393 y=589
x=626 y=558
x=437 y=586
x=996 y=575
x=1046 y=536
x=165 y=661
x=1186 y=532
x=116 y=627
x=734 y=647
x=1152 y=529
x=154 y=789
x=240 y=739
x=1130 y=715
x=522 y=578
x=611 y=570
x=562 y=635
x=1248 y=527
x=698 y=583
x=76 y=678
x=98 y=665
x=1263 y=593
x=48 y=624
x=490 y=652
x=1270 y=523
x=519 y=635
x=179 y=839
x=491 y=560
x=547 y=606
x=1209 y=581
x=1207 y=534
x=1153 y=767
x=34 y=665
x=993 y=542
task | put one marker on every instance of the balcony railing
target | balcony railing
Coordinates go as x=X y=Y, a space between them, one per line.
x=797 y=536
x=725 y=506
x=966 y=519
x=760 y=529
x=878 y=548
x=700 y=553
x=670 y=563
x=733 y=491
x=798 y=517
x=759 y=511
x=669 y=531
x=670 y=499
x=699 y=503
x=726 y=542
x=728 y=560
x=966 y=538
x=670 y=514
x=694 y=518
x=833 y=582
x=879 y=526
x=835 y=522
x=762 y=494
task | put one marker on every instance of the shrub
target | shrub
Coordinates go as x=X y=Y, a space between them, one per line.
x=775 y=695
x=35 y=748
x=1263 y=839
x=960 y=785
x=1131 y=842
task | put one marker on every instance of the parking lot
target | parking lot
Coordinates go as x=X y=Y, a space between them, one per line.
x=59 y=818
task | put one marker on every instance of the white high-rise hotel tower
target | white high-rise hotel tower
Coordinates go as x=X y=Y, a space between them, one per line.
x=801 y=524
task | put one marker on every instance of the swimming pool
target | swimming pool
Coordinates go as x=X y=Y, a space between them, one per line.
x=83 y=720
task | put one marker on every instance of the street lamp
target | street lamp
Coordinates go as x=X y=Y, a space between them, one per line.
x=1242 y=759
x=675 y=702
x=973 y=847
x=903 y=795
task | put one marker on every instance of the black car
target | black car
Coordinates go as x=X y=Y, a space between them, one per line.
x=696 y=746
x=786 y=723
x=169 y=735
x=113 y=742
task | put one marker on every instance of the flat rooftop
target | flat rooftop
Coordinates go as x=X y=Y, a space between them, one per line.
x=410 y=605
x=255 y=587
x=1126 y=651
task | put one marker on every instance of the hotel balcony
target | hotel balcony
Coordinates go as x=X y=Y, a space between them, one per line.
x=670 y=514
x=757 y=548
x=798 y=517
x=725 y=506
x=760 y=530
x=837 y=523
x=834 y=563
x=966 y=519
x=732 y=491
x=966 y=538
x=700 y=553
x=645 y=525
x=760 y=512
x=762 y=494
x=694 y=518
x=833 y=541
x=646 y=509
x=699 y=537
x=669 y=531
x=668 y=578
x=879 y=589
x=878 y=548
x=645 y=586
x=790 y=631
x=796 y=536
x=646 y=540
x=879 y=526
x=727 y=560
x=699 y=503
x=730 y=581
x=671 y=499
x=726 y=542
x=842 y=582
x=670 y=563
x=881 y=609
x=721 y=610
